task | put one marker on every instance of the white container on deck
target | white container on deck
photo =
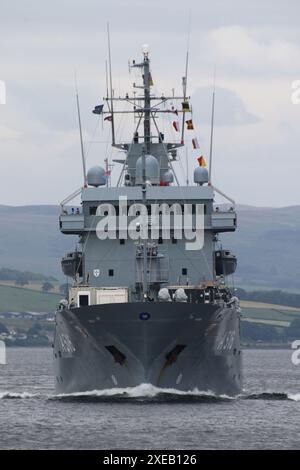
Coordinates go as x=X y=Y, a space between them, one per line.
x=112 y=295
x=83 y=295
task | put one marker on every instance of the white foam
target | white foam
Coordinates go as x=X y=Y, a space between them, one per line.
x=294 y=397
x=143 y=390
x=18 y=395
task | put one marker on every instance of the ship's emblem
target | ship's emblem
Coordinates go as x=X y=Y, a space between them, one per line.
x=144 y=316
x=96 y=272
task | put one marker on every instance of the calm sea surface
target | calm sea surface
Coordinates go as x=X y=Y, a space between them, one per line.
x=266 y=415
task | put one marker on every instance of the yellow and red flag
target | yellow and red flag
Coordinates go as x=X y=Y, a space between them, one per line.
x=189 y=124
x=185 y=106
x=151 y=83
x=201 y=161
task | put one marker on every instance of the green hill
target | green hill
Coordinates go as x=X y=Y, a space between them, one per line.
x=277 y=315
x=18 y=299
x=30 y=239
x=267 y=244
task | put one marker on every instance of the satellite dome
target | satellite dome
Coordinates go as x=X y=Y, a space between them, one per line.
x=163 y=295
x=151 y=170
x=200 y=175
x=96 y=176
x=180 y=295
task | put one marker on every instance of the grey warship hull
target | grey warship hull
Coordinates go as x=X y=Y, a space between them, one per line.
x=149 y=301
x=169 y=345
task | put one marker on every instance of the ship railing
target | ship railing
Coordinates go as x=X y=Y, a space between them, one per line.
x=207 y=294
x=69 y=199
x=224 y=208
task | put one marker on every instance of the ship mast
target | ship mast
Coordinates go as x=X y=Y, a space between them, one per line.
x=147 y=100
x=145 y=111
x=147 y=130
x=145 y=240
x=145 y=65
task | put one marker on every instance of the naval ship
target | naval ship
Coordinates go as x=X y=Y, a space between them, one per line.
x=149 y=300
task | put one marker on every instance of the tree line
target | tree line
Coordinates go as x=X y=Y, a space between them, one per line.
x=277 y=296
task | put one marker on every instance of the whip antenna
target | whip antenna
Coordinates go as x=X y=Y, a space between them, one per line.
x=212 y=128
x=111 y=88
x=184 y=79
x=81 y=138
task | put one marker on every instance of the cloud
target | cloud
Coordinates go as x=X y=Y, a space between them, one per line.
x=255 y=46
x=229 y=107
x=241 y=50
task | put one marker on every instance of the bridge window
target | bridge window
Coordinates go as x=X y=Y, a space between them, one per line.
x=93 y=210
x=110 y=272
x=122 y=241
x=184 y=271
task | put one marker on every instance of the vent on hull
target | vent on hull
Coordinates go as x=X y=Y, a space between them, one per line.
x=118 y=356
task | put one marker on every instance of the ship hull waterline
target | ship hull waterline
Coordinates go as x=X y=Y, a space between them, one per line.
x=181 y=346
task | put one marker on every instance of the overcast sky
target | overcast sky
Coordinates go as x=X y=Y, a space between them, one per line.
x=255 y=47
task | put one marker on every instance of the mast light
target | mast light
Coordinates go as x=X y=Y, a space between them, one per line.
x=145 y=49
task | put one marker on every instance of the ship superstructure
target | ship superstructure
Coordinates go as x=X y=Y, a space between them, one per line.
x=149 y=302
